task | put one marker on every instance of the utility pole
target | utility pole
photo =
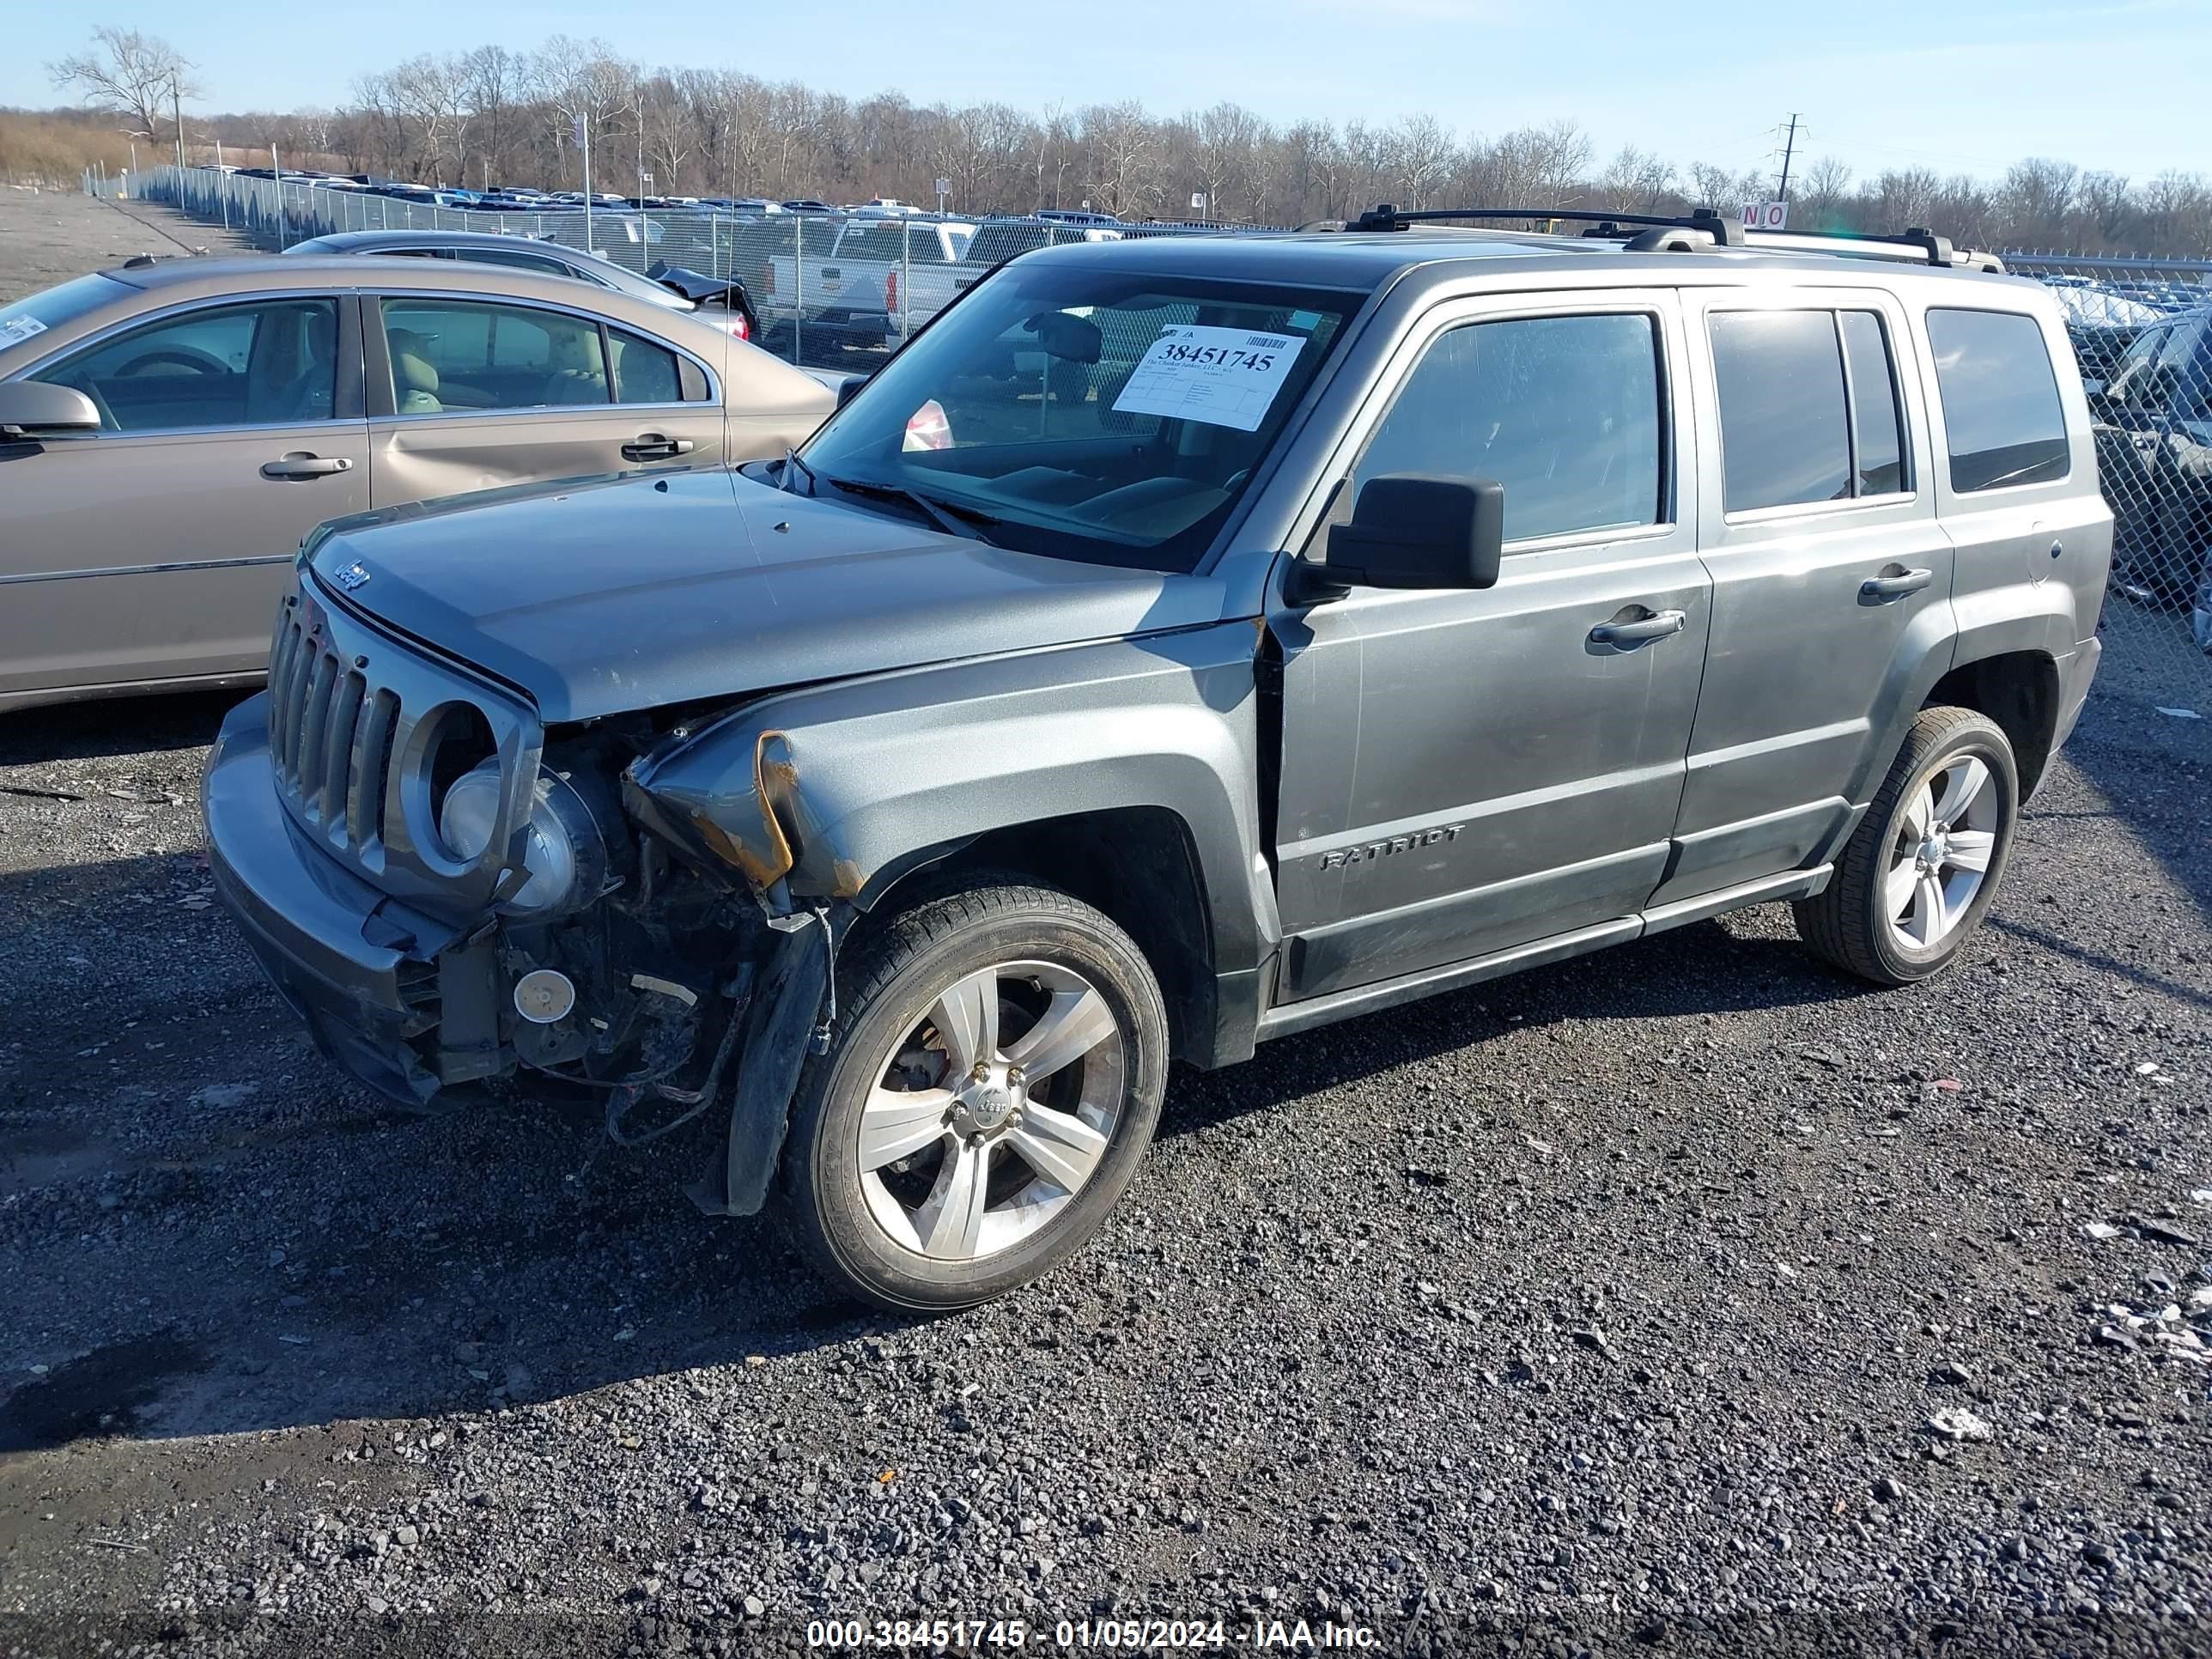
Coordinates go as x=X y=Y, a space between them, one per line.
x=177 y=114
x=1789 y=149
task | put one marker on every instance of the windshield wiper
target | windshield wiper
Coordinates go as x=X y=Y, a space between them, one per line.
x=790 y=460
x=954 y=520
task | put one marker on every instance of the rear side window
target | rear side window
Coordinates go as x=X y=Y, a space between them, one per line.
x=1785 y=436
x=644 y=373
x=2001 y=408
x=1564 y=411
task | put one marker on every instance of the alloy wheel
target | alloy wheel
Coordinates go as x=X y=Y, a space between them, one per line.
x=989 y=1114
x=1940 y=852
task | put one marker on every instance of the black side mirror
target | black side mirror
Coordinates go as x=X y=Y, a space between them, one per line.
x=1410 y=530
x=850 y=389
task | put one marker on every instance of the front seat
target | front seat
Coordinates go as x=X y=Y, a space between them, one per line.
x=414 y=376
x=306 y=396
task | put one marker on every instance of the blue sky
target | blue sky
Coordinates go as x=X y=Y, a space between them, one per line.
x=1957 y=85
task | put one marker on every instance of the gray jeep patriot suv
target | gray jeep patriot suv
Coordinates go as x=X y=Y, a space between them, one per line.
x=1180 y=643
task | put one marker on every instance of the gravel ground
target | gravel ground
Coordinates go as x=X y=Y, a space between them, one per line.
x=1685 y=1297
x=47 y=238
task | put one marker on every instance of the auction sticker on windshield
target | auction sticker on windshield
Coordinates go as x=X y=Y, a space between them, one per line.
x=1222 y=376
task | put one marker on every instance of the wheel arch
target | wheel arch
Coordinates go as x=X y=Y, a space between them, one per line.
x=2018 y=689
x=1138 y=863
x=1122 y=771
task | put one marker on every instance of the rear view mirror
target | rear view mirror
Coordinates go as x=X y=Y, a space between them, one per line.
x=34 y=409
x=1071 y=339
x=1410 y=530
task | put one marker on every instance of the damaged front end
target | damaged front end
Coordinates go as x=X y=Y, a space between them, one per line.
x=450 y=895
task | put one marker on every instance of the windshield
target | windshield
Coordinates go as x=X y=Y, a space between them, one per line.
x=54 y=307
x=1076 y=411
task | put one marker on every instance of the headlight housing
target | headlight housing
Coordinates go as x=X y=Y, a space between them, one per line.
x=564 y=857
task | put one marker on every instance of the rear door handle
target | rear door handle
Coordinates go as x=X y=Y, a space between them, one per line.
x=1895 y=585
x=301 y=465
x=656 y=447
x=1657 y=626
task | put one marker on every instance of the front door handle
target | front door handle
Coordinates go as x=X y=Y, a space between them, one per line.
x=301 y=465
x=656 y=447
x=1657 y=626
x=1895 y=583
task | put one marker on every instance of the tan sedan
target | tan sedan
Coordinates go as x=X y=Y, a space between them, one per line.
x=171 y=430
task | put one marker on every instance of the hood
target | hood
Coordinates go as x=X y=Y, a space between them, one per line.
x=600 y=596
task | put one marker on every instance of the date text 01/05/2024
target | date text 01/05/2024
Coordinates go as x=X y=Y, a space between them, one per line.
x=1116 y=1635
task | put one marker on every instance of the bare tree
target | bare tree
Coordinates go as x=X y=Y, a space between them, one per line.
x=1637 y=180
x=1821 y=197
x=494 y=78
x=141 y=77
x=1425 y=152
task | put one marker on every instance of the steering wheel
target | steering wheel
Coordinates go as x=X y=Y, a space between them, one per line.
x=191 y=359
x=90 y=387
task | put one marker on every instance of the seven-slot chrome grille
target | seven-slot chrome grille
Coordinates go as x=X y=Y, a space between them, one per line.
x=365 y=730
x=330 y=735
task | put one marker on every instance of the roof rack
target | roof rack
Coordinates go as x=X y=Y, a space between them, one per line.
x=1699 y=230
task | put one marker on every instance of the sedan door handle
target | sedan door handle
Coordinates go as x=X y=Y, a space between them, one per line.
x=301 y=465
x=1895 y=584
x=656 y=447
x=1657 y=626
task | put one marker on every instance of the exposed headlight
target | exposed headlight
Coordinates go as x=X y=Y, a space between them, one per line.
x=562 y=845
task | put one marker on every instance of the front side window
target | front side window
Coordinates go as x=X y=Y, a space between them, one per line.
x=1785 y=436
x=1564 y=411
x=2137 y=384
x=270 y=362
x=1086 y=412
x=456 y=355
x=2185 y=370
x=2000 y=411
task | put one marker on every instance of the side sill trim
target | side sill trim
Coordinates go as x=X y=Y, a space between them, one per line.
x=1306 y=1015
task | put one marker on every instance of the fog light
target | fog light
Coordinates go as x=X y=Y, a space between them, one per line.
x=544 y=995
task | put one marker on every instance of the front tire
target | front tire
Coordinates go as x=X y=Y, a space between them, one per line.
x=993 y=1076
x=1922 y=869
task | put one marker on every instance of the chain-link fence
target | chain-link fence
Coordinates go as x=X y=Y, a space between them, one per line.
x=2142 y=333
x=831 y=289
x=842 y=289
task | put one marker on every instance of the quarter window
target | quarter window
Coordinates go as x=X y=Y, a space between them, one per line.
x=274 y=362
x=1564 y=411
x=1877 y=418
x=2001 y=412
x=450 y=355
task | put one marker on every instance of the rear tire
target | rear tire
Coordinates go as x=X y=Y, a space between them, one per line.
x=993 y=1076
x=1922 y=869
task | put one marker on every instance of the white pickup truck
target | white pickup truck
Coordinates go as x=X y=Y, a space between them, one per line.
x=865 y=281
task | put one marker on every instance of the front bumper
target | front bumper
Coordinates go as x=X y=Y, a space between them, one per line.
x=359 y=967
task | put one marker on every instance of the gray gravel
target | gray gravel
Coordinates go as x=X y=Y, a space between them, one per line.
x=1685 y=1297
